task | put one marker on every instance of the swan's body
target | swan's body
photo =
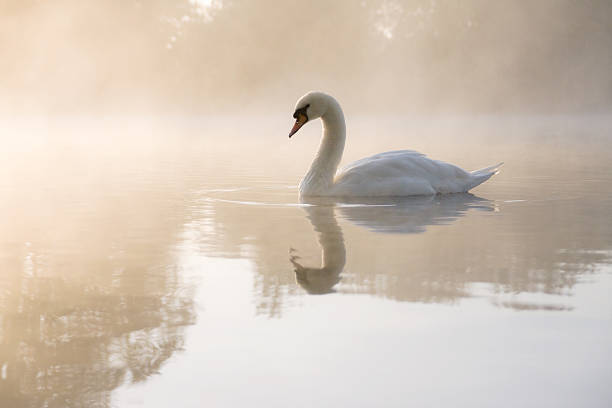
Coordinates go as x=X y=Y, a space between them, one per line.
x=396 y=173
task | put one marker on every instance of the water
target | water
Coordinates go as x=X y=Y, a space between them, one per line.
x=155 y=263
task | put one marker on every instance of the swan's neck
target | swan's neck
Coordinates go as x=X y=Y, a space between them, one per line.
x=320 y=176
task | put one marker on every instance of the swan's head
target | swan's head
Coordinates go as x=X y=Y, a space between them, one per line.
x=311 y=106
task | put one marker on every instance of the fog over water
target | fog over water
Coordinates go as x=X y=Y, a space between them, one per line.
x=142 y=263
x=154 y=250
x=383 y=55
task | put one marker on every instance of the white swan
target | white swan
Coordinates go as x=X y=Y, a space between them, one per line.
x=397 y=173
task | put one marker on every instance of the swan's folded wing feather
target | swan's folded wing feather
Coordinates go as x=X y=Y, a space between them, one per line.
x=381 y=159
x=402 y=172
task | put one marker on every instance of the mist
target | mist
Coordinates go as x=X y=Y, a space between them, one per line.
x=163 y=242
x=210 y=56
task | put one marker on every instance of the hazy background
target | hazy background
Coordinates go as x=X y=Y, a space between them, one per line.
x=207 y=56
x=151 y=244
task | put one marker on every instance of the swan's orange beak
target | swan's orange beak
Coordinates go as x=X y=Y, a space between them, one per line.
x=299 y=122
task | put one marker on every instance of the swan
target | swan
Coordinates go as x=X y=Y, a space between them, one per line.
x=395 y=173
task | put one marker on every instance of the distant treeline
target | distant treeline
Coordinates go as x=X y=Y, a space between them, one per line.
x=391 y=55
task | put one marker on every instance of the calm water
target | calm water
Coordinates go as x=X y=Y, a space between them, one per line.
x=170 y=263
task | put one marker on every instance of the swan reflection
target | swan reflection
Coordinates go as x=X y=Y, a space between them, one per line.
x=410 y=215
x=398 y=215
x=321 y=280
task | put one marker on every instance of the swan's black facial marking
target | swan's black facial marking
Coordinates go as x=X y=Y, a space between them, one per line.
x=301 y=111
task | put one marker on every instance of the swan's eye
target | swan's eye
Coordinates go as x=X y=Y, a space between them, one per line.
x=301 y=111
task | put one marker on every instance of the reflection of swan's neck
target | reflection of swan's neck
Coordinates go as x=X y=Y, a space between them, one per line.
x=333 y=256
x=319 y=280
x=320 y=177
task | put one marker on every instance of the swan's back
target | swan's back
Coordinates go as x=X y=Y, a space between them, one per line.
x=403 y=173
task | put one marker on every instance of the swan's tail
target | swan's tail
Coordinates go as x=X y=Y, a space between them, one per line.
x=482 y=175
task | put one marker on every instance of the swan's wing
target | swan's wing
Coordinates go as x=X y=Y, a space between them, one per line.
x=381 y=158
x=402 y=172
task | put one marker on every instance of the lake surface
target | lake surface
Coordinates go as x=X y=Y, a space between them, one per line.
x=169 y=262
